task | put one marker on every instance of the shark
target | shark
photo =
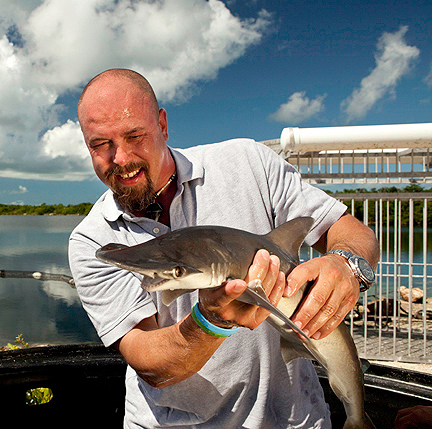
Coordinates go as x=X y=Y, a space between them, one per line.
x=200 y=257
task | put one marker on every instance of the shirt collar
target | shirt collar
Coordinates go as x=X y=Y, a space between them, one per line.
x=188 y=168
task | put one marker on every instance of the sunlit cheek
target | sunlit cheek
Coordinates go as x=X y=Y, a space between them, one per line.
x=100 y=166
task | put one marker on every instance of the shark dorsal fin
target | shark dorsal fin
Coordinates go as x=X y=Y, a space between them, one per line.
x=290 y=235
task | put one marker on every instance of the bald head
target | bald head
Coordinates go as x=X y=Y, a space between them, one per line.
x=126 y=135
x=110 y=80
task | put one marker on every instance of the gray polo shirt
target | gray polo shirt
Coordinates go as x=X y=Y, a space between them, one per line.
x=240 y=184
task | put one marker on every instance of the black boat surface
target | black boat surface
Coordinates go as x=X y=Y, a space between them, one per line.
x=87 y=381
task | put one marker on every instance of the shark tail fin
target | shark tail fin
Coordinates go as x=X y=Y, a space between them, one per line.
x=290 y=235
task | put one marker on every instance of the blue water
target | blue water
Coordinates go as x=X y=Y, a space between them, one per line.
x=51 y=313
x=43 y=312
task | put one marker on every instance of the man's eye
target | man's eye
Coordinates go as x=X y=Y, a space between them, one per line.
x=98 y=145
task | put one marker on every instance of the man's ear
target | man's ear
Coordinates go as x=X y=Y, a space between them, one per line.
x=163 y=123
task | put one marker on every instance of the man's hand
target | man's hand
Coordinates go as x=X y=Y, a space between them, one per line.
x=334 y=292
x=219 y=305
x=335 y=289
x=419 y=416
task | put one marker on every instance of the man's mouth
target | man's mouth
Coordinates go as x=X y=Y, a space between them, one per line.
x=130 y=175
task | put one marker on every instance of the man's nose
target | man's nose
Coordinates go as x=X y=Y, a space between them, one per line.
x=121 y=155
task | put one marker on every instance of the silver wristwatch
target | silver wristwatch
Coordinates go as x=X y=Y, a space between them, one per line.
x=361 y=268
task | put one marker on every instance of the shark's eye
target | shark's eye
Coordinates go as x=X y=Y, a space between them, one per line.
x=178 y=272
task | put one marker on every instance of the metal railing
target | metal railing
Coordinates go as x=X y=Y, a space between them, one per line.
x=362 y=166
x=388 y=323
x=365 y=166
x=385 y=325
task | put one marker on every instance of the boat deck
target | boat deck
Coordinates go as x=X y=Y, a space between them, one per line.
x=399 y=345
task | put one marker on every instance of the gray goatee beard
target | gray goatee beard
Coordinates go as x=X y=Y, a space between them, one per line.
x=132 y=198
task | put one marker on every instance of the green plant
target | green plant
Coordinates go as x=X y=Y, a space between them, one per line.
x=19 y=344
x=38 y=396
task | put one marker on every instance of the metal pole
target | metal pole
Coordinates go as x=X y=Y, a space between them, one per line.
x=410 y=269
x=425 y=236
x=38 y=276
x=295 y=139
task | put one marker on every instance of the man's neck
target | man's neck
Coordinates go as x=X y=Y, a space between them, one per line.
x=164 y=199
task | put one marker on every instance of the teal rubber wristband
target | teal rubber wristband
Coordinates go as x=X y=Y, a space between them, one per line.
x=208 y=327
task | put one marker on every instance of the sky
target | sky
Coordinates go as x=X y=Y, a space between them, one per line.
x=222 y=69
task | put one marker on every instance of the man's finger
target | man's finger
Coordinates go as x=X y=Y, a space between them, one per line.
x=328 y=317
x=278 y=289
x=303 y=273
x=309 y=309
x=260 y=266
x=223 y=295
x=272 y=275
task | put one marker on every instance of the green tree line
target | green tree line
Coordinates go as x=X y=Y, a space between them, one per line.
x=45 y=209
x=84 y=208
x=417 y=205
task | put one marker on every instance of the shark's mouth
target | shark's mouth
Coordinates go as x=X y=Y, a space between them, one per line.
x=152 y=284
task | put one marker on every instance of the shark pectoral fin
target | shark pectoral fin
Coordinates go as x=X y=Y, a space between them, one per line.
x=255 y=295
x=257 y=286
x=249 y=296
x=168 y=296
x=293 y=349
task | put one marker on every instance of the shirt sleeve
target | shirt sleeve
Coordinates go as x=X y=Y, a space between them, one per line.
x=112 y=297
x=291 y=197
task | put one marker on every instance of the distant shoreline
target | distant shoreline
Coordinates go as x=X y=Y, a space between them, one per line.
x=45 y=210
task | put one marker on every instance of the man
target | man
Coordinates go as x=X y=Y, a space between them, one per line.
x=180 y=375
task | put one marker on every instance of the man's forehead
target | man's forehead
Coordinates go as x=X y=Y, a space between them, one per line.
x=104 y=107
x=127 y=112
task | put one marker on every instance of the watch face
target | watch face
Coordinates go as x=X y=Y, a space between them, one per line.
x=366 y=270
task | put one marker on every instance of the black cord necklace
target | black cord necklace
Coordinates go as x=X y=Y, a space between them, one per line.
x=154 y=210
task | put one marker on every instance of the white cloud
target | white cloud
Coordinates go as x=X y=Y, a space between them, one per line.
x=64 y=141
x=61 y=291
x=21 y=190
x=428 y=78
x=52 y=47
x=298 y=108
x=394 y=59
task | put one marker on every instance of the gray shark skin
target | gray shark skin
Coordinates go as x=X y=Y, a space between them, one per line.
x=207 y=256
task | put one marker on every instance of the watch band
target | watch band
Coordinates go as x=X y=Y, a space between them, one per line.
x=345 y=253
